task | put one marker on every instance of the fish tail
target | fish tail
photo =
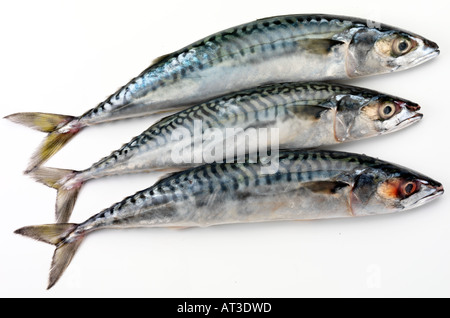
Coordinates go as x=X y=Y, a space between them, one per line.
x=59 y=235
x=67 y=184
x=40 y=121
x=60 y=129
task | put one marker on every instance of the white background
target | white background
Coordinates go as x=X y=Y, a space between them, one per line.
x=66 y=57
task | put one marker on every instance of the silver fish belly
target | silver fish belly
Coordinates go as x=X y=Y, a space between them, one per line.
x=285 y=115
x=307 y=185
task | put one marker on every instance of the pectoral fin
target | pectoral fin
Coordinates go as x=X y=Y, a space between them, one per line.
x=325 y=187
x=319 y=46
x=308 y=112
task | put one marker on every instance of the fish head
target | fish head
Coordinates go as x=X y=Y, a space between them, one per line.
x=368 y=114
x=383 y=49
x=389 y=188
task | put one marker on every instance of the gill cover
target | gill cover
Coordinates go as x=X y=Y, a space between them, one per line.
x=347 y=110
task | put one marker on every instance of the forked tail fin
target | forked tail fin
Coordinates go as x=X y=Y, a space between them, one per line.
x=67 y=186
x=61 y=129
x=61 y=235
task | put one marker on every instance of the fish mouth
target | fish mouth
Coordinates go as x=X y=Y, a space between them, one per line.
x=408 y=121
x=438 y=191
x=426 y=57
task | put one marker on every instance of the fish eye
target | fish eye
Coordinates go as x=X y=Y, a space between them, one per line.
x=387 y=110
x=401 y=46
x=398 y=188
x=408 y=188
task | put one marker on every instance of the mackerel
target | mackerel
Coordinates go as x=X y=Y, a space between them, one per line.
x=308 y=185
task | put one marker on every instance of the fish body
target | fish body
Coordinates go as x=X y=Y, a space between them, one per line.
x=307 y=185
x=284 y=115
x=276 y=49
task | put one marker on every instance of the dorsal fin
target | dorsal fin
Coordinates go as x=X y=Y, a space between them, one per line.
x=159 y=59
x=170 y=172
x=154 y=62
